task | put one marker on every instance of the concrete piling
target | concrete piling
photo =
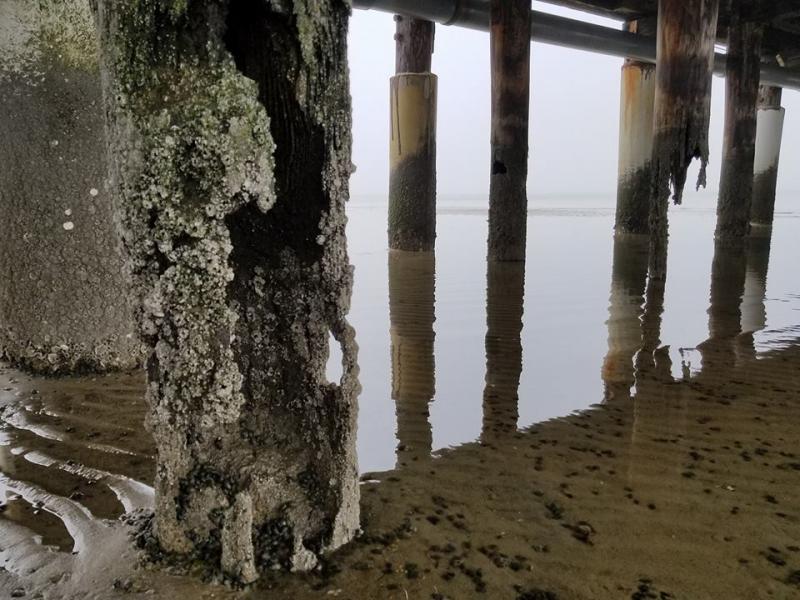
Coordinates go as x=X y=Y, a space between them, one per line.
x=510 y=35
x=65 y=303
x=637 y=94
x=769 y=131
x=412 y=154
x=687 y=31
x=738 y=153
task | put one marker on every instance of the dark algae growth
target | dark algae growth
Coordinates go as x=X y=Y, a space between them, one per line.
x=230 y=127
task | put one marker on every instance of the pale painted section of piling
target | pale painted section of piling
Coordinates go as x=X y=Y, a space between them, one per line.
x=412 y=160
x=637 y=94
x=769 y=134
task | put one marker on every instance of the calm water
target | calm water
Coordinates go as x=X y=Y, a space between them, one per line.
x=564 y=334
x=552 y=430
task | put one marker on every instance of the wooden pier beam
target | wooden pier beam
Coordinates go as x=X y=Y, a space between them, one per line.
x=739 y=145
x=769 y=132
x=412 y=179
x=685 y=58
x=637 y=94
x=510 y=35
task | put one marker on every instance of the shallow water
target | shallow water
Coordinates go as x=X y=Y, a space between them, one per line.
x=553 y=428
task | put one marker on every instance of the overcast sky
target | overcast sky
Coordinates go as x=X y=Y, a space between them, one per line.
x=574 y=113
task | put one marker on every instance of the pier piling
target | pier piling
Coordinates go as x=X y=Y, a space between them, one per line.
x=684 y=65
x=412 y=155
x=510 y=63
x=637 y=93
x=738 y=153
x=769 y=131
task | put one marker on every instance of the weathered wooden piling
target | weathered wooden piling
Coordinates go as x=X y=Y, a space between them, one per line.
x=65 y=305
x=412 y=154
x=412 y=282
x=769 y=131
x=687 y=31
x=505 y=299
x=510 y=35
x=230 y=124
x=742 y=71
x=637 y=94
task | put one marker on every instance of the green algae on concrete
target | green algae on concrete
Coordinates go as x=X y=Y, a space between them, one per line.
x=230 y=128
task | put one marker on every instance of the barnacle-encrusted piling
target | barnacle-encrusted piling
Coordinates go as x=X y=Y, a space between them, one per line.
x=510 y=35
x=412 y=148
x=230 y=126
x=412 y=283
x=742 y=70
x=637 y=93
x=64 y=301
x=687 y=31
x=769 y=132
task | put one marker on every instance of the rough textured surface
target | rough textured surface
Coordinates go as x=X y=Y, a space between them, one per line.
x=685 y=54
x=230 y=123
x=412 y=154
x=510 y=38
x=739 y=145
x=63 y=295
x=414 y=45
x=637 y=95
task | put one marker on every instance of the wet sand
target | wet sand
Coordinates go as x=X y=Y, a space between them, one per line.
x=678 y=477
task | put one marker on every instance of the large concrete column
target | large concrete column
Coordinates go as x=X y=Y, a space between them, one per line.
x=687 y=31
x=626 y=301
x=637 y=94
x=412 y=277
x=742 y=72
x=510 y=62
x=505 y=298
x=64 y=299
x=769 y=131
x=412 y=149
x=230 y=124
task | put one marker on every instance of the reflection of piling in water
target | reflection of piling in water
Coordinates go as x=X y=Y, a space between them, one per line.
x=504 y=306
x=754 y=313
x=411 y=314
x=728 y=271
x=628 y=280
x=653 y=360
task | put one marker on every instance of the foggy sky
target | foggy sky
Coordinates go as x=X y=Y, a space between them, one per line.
x=574 y=114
